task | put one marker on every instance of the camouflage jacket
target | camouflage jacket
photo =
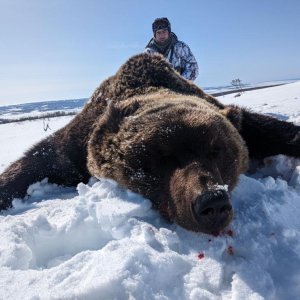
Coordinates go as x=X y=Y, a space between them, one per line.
x=181 y=58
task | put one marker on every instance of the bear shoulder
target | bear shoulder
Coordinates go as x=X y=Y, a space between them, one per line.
x=144 y=74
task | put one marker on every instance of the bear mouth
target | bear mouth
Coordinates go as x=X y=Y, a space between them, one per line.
x=212 y=211
x=211 y=226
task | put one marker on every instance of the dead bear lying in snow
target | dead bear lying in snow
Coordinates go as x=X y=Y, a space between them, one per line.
x=160 y=136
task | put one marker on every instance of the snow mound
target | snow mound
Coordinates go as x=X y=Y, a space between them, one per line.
x=107 y=243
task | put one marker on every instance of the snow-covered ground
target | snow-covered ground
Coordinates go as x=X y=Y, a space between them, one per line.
x=282 y=102
x=99 y=241
x=218 y=89
x=17 y=137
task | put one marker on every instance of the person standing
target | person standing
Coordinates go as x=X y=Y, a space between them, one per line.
x=176 y=52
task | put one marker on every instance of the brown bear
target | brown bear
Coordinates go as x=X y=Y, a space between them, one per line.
x=161 y=136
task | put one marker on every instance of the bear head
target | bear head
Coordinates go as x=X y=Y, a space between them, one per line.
x=179 y=151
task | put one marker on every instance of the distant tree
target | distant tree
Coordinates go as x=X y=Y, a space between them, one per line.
x=237 y=83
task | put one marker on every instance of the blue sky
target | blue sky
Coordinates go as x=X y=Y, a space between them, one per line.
x=63 y=49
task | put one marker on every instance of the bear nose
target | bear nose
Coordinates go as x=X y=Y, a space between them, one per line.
x=212 y=210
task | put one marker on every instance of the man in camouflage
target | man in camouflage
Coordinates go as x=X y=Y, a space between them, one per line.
x=176 y=52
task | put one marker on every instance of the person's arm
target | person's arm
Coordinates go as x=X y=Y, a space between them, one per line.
x=189 y=63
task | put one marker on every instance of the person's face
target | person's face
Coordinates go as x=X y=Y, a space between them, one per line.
x=161 y=35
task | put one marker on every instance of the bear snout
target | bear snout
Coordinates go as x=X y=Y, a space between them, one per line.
x=212 y=210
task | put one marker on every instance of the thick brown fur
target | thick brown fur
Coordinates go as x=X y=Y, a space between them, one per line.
x=157 y=134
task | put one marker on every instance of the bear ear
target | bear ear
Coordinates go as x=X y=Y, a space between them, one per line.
x=115 y=114
x=234 y=114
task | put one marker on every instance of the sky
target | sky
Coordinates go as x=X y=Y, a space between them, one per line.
x=63 y=49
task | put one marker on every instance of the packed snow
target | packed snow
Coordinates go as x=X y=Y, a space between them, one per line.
x=99 y=241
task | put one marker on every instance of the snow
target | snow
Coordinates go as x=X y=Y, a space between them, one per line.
x=283 y=102
x=99 y=241
x=17 y=137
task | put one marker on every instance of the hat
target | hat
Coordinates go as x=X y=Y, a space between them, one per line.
x=161 y=23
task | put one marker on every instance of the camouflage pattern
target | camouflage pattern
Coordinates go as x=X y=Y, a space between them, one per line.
x=182 y=60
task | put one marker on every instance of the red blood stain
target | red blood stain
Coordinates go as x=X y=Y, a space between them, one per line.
x=230 y=250
x=228 y=232
x=200 y=255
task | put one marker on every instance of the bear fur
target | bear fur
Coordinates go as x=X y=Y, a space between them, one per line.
x=161 y=136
